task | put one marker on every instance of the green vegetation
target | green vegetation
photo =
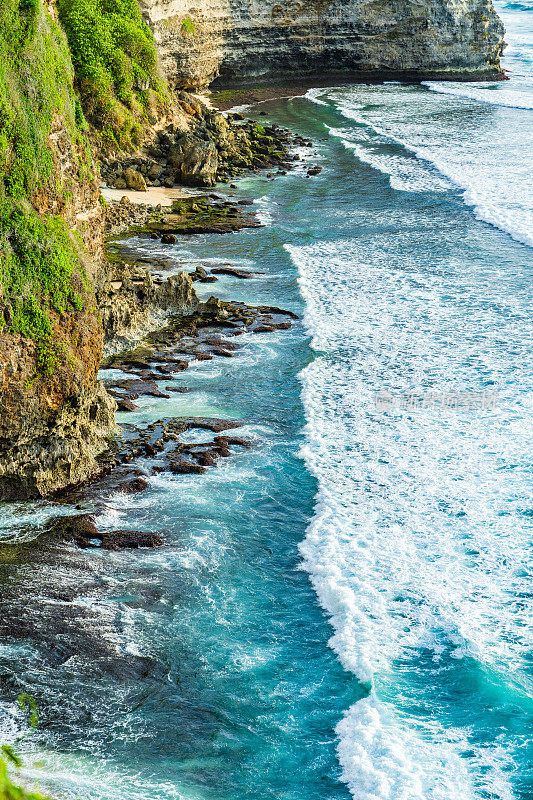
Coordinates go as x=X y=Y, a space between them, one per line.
x=188 y=27
x=104 y=71
x=40 y=270
x=26 y=702
x=115 y=61
x=8 y=790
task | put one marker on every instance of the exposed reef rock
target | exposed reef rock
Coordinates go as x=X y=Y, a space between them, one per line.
x=83 y=531
x=233 y=40
x=213 y=149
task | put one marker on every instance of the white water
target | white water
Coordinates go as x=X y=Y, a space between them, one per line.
x=420 y=545
x=476 y=135
x=414 y=547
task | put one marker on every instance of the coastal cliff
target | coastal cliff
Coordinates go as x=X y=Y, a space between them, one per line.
x=55 y=416
x=86 y=83
x=230 y=40
x=75 y=82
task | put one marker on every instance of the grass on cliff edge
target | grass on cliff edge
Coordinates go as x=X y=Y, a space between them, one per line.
x=40 y=266
x=9 y=791
x=115 y=62
x=115 y=73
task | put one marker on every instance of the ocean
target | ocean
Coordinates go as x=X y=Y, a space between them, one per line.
x=343 y=611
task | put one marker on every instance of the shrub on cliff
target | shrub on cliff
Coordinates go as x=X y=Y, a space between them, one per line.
x=40 y=267
x=115 y=61
x=9 y=791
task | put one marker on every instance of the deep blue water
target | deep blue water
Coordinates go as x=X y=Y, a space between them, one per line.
x=387 y=503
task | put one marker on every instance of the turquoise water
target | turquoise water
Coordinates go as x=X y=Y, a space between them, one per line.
x=343 y=611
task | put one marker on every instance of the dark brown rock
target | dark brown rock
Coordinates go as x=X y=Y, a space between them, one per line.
x=235 y=440
x=206 y=459
x=135 y=485
x=220 y=343
x=276 y=310
x=125 y=405
x=218 y=351
x=130 y=540
x=81 y=528
x=233 y=271
x=146 y=387
x=182 y=467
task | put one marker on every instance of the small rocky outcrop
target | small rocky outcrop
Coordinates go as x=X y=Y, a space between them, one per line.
x=82 y=530
x=131 y=302
x=49 y=439
x=134 y=180
x=195 y=161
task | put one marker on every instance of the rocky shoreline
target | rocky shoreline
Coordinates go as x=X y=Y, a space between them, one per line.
x=90 y=94
x=218 y=148
x=155 y=327
x=58 y=425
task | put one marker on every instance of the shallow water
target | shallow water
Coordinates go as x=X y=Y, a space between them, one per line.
x=392 y=463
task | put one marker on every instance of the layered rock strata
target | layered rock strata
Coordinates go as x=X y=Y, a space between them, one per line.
x=233 y=39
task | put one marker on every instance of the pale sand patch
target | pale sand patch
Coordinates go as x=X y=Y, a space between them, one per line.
x=152 y=197
x=205 y=99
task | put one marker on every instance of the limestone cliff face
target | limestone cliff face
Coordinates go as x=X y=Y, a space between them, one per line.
x=234 y=39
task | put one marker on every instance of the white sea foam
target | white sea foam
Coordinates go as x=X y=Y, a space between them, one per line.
x=265 y=211
x=313 y=95
x=11 y=719
x=239 y=109
x=494 y=94
x=517 y=92
x=21 y=522
x=460 y=129
x=460 y=141
x=405 y=173
x=383 y=760
x=408 y=549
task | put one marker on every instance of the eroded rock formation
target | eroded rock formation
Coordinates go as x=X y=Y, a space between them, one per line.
x=56 y=418
x=237 y=38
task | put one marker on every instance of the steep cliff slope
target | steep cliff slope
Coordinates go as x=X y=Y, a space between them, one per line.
x=116 y=70
x=237 y=38
x=55 y=417
x=102 y=68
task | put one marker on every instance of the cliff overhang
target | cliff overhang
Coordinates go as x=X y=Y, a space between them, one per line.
x=231 y=42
